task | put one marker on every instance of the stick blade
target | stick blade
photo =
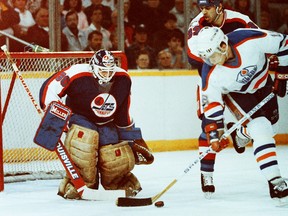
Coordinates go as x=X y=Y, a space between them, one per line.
x=130 y=202
x=101 y=195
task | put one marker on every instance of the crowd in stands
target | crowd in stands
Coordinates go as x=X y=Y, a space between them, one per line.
x=154 y=29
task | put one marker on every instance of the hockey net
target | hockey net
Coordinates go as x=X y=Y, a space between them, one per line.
x=20 y=158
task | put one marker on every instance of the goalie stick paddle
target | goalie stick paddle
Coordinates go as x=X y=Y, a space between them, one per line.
x=62 y=153
x=129 y=202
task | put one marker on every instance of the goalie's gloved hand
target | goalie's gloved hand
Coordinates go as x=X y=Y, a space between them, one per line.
x=141 y=152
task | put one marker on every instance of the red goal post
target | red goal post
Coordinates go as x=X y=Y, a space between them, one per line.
x=20 y=158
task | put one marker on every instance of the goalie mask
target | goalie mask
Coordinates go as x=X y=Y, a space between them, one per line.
x=103 y=65
x=210 y=45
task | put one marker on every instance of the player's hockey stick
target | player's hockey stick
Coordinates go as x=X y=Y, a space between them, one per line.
x=78 y=182
x=126 y=201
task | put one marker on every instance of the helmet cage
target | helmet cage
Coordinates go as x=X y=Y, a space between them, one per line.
x=103 y=66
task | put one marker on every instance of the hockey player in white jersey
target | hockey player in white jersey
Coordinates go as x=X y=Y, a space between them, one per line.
x=237 y=64
x=212 y=14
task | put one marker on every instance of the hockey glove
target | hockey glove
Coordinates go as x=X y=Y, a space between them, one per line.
x=280 y=84
x=280 y=78
x=141 y=152
x=213 y=134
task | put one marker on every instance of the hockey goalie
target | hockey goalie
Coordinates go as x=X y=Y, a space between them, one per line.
x=101 y=137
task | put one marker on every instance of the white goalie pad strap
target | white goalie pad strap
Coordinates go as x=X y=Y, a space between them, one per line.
x=82 y=144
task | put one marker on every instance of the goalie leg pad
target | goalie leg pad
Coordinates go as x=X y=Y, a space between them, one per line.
x=115 y=163
x=82 y=144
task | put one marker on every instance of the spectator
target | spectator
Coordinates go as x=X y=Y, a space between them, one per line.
x=134 y=13
x=164 y=60
x=114 y=41
x=77 y=38
x=106 y=12
x=175 y=47
x=20 y=30
x=161 y=37
x=39 y=33
x=178 y=11
x=127 y=7
x=284 y=27
x=140 y=43
x=265 y=20
x=194 y=9
x=95 y=39
x=77 y=6
x=152 y=16
x=128 y=30
x=109 y=3
x=243 y=6
x=8 y=18
x=142 y=60
x=96 y=24
x=34 y=5
x=229 y=4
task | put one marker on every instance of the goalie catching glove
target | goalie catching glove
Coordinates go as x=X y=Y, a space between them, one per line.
x=141 y=152
x=139 y=147
x=213 y=136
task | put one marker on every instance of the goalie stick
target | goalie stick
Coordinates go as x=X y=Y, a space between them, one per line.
x=62 y=153
x=126 y=201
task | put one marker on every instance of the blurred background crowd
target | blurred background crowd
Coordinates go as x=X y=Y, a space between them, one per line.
x=154 y=30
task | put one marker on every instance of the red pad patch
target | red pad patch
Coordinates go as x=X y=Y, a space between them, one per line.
x=80 y=134
x=117 y=152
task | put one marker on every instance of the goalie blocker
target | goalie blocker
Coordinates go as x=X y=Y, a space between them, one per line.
x=52 y=125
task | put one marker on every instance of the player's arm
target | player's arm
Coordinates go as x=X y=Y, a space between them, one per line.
x=53 y=89
x=212 y=121
x=192 y=32
x=278 y=45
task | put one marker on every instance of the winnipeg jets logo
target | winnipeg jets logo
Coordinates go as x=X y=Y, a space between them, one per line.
x=246 y=74
x=104 y=105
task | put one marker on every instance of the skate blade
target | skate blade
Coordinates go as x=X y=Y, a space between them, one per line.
x=283 y=202
x=208 y=195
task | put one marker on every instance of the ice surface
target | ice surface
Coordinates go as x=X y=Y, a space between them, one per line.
x=240 y=190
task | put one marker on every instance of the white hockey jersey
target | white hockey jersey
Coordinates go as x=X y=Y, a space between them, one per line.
x=247 y=72
x=232 y=20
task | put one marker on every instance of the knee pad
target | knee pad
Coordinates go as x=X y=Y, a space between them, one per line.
x=82 y=144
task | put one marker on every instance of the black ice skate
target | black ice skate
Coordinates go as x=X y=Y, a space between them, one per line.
x=279 y=190
x=238 y=143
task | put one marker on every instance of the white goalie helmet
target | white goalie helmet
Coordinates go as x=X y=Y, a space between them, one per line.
x=210 y=40
x=103 y=65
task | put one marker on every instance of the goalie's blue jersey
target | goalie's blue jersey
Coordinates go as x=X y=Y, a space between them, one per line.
x=80 y=90
x=247 y=71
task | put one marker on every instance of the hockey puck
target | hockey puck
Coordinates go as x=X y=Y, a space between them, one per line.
x=159 y=204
